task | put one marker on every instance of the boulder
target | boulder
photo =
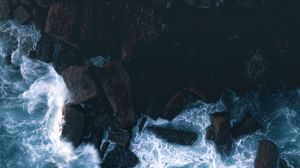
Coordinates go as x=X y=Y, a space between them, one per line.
x=73 y=128
x=4 y=9
x=205 y=91
x=22 y=15
x=247 y=126
x=44 y=49
x=80 y=81
x=174 y=106
x=120 y=157
x=116 y=85
x=267 y=155
x=121 y=137
x=62 y=21
x=221 y=128
x=174 y=136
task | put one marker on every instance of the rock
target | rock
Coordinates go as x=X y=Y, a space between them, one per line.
x=205 y=91
x=25 y=2
x=221 y=128
x=120 y=157
x=22 y=15
x=80 y=81
x=39 y=17
x=247 y=126
x=57 y=52
x=175 y=136
x=267 y=155
x=62 y=21
x=103 y=120
x=116 y=86
x=174 y=106
x=4 y=9
x=283 y=164
x=74 y=124
x=210 y=133
x=43 y=3
x=121 y=137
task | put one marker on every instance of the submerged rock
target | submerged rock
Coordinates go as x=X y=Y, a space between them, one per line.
x=246 y=126
x=73 y=128
x=120 y=157
x=267 y=155
x=81 y=83
x=175 y=136
x=174 y=106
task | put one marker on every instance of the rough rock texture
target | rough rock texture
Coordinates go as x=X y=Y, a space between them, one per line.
x=81 y=83
x=22 y=15
x=116 y=86
x=62 y=20
x=221 y=128
x=174 y=106
x=4 y=9
x=120 y=157
x=175 y=136
x=74 y=124
x=267 y=155
x=121 y=137
x=246 y=126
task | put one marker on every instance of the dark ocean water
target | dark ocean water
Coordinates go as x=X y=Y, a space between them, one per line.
x=32 y=96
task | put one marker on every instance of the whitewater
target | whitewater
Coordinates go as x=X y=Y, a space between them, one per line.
x=32 y=96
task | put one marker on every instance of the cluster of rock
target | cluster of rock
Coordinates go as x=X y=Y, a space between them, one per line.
x=154 y=47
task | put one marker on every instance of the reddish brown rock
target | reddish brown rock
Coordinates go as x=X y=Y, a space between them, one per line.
x=81 y=83
x=4 y=9
x=62 y=21
x=246 y=126
x=73 y=128
x=116 y=85
x=221 y=128
x=174 y=106
x=267 y=155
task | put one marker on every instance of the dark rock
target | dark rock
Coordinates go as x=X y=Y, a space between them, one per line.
x=210 y=133
x=116 y=85
x=44 y=49
x=221 y=128
x=267 y=155
x=25 y=2
x=39 y=17
x=22 y=15
x=205 y=91
x=283 y=164
x=174 y=106
x=121 y=137
x=175 y=136
x=43 y=3
x=120 y=157
x=81 y=83
x=246 y=126
x=103 y=149
x=4 y=9
x=62 y=21
x=103 y=120
x=155 y=106
x=74 y=124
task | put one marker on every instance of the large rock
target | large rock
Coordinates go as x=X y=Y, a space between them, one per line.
x=221 y=128
x=267 y=155
x=4 y=9
x=246 y=126
x=205 y=91
x=116 y=86
x=120 y=157
x=22 y=15
x=174 y=106
x=62 y=21
x=175 y=136
x=121 y=137
x=73 y=128
x=80 y=81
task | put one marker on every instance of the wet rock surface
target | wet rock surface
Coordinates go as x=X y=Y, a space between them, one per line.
x=247 y=126
x=267 y=155
x=175 y=136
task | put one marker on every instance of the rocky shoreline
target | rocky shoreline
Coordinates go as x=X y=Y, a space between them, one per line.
x=125 y=59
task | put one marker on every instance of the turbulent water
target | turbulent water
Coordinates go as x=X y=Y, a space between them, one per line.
x=32 y=96
x=277 y=112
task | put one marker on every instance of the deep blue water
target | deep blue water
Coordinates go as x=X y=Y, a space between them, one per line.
x=32 y=95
